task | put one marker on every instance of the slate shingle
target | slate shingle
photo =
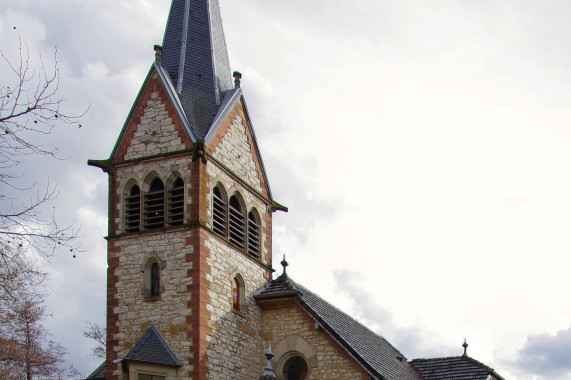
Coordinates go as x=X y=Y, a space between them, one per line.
x=453 y=368
x=206 y=75
x=151 y=348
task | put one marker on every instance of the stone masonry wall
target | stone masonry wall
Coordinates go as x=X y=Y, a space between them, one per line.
x=332 y=361
x=236 y=347
x=234 y=151
x=129 y=312
x=133 y=313
x=155 y=132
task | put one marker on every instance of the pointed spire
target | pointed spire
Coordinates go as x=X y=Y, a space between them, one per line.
x=465 y=345
x=196 y=59
x=268 y=371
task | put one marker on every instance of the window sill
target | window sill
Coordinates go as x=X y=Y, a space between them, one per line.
x=240 y=313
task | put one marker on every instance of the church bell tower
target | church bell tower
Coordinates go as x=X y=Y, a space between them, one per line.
x=190 y=216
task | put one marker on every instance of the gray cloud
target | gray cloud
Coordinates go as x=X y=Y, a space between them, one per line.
x=547 y=356
x=414 y=342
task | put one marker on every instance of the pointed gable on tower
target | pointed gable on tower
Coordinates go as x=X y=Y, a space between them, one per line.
x=156 y=124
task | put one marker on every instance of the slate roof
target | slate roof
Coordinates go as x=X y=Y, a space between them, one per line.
x=98 y=374
x=453 y=368
x=151 y=348
x=372 y=351
x=196 y=59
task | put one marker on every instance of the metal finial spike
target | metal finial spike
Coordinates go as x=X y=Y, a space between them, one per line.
x=158 y=52
x=237 y=77
x=284 y=264
x=465 y=345
x=269 y=356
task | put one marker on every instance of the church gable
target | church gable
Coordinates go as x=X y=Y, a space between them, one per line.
x=153 y=127
x=234 y=146
x=370 y=352
x=305 y=350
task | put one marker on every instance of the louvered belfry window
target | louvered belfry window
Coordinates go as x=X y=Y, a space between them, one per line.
x=219 y=212
x=176 y=203
x=155 y=205
x=253 y=233
x=133 y=210
x=236 y=223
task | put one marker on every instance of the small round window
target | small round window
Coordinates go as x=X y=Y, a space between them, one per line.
x=295 y=368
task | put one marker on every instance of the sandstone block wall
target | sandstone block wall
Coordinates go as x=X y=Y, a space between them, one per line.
x=329 y=362
x=155 y=132
x=154 y=127
x=236 y=347
x=235 y=152
x=129 y=311
x=133 y=312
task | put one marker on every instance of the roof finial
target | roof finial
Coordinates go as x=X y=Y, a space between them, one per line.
x=465 y=345
x=268 y=371
x=158 y=52
x=237 y=76
x=284 y=264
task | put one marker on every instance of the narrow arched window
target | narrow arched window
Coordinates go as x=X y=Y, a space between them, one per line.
x=133 y=209
x=219 y=211
x=236 y=295
x=236 y=222
x=155 y=280
x=176 y=203
x=254 y=233
x=238 y=290
x=155 y=205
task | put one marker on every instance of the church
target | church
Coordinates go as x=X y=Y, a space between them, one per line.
x=191 y=292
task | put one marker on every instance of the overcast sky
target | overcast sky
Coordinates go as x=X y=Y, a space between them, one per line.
x=423 y=149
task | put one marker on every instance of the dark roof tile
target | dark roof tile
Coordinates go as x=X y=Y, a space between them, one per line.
x=453 y=368
x=151 y=348
x=199 y=69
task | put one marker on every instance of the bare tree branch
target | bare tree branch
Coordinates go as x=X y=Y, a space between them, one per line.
x=96 y=332
x=30 y=107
